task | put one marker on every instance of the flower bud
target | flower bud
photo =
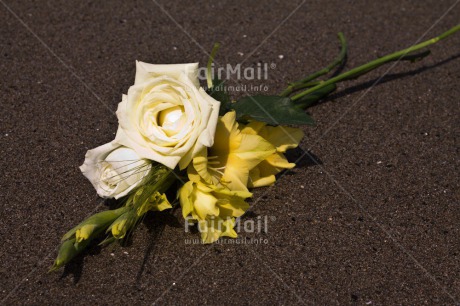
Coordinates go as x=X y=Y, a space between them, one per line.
x=121 y=226
x=85 y=232
x=94 y=224
x=67 y=251
x=114 y=170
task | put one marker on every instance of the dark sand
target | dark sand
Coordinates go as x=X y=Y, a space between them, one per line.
x=377 y=223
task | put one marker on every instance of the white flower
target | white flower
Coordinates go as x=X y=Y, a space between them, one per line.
x=114 y=170
x=166 y=116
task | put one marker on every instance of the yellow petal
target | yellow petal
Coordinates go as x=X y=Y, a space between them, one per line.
x=199 y=167
x=204 y=204
x=193 y=174
x=209 y=230
x=228 y=228
x=232 y=207
x=205 y=188
x=185 y=199
x=200 y=164
x=253 y=149
x=228 y=120
x=234 y=193
x=253 y=127
x=279 y=160
x=282 y=137
x=155 y=202
x=257 y=180
x=213 y=228
x=225 y=129
x=162 y=203
x=236 y=174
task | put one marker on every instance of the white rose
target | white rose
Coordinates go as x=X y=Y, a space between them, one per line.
x=114 y=170
x=166 y=116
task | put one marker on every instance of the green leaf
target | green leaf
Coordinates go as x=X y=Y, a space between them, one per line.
x=274 y=110
x=219 y=93
x=310 y=99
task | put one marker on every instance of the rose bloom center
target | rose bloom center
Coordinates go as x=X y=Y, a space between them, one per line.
x=172 y=120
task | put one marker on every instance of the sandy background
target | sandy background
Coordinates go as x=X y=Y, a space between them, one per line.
x=376 y=223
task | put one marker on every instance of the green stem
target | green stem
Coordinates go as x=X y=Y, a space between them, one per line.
x=215 y=48
x=305 y=85
x=358 y=71
x=337 y=61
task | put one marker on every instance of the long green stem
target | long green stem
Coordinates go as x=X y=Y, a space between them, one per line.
x=358 y=71
x=296 y=86
x=215 y=48
x=337 y=61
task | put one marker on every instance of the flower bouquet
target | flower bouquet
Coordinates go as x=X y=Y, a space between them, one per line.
x=178 y=143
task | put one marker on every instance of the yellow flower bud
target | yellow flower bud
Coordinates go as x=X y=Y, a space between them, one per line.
x=119 y=227
x=85 y=232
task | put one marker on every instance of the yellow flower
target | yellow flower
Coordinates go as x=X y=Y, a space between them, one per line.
x=283 y=138
x=228 y=162
x=215 y=208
